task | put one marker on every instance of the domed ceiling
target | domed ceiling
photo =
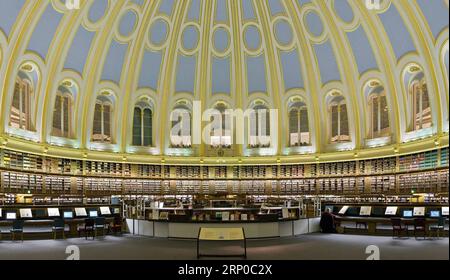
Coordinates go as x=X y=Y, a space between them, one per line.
x=235 y=54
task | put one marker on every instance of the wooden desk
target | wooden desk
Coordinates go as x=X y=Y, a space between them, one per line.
x=373 y=221
x=72 y=223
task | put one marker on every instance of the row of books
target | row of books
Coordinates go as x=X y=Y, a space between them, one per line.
x=28 y=162
x=23 y=183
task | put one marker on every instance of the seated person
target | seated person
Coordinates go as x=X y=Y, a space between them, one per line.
x=327 y=222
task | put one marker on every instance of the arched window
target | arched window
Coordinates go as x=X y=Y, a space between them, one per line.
x=180 y=135
x=102 y=121
x=222 y=136
x=62 y=114
x=421 y=109
x=259 y=127
x=339 y=120
x=379 y=115
x=142 y=125
x=299 y=125
x=20 y=116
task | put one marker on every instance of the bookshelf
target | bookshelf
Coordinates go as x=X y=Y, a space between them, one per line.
x=22 y=173
x=427 y=160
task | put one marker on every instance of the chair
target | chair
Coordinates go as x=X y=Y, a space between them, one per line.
x=439 y=227
x=420 y=226
x=398 y=227
x=117 y=225
x=87 y=229
x=99 y=225
x=58 y=225
x=17 y=227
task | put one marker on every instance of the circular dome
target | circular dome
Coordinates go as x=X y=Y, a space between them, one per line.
x=133 y=64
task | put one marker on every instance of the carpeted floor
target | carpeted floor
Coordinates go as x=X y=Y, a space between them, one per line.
x=305 y=247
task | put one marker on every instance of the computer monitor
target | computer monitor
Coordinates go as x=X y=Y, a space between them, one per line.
x=116 y=210
x=407 y=213
x=435 y=214
x=444 y=211
x=330 y=208
x=93 y=213
x=68 y=215
x=53 y=212
x=11 y=216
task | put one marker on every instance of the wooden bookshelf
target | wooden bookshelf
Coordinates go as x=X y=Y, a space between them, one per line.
x=22 y=173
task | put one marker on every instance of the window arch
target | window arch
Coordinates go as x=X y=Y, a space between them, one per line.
x=181 y=126
x=338 y=114
x=299 y=134
x=259 y=136
x=143 y=124
x=378 y=111
x=419 y=100
x=102 y=130
x=62 y=111
x=221 y=136
x=21 y=107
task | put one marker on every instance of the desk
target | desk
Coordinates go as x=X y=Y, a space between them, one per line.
x=221 y=234
x=373 y=221
x=72 y=223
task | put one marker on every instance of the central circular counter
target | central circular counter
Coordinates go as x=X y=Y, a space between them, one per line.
x=252 y=229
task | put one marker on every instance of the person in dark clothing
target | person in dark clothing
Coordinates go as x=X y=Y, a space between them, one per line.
x=327 y=222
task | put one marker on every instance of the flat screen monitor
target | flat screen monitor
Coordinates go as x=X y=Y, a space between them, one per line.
x=53 y=212
x=391 y=211
x=68 y=215
x=25 y=213
x=435 y=214
x=11 y=216
x=444 y=211
x=116 y=210
x=330 y=208
x=407 y=213
x=365 y=211
x=80 y=212
x=419 y=211
x=105 y=211
x=93 y=213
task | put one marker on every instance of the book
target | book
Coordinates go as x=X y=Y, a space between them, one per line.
x=365 y=211
x=391 y=210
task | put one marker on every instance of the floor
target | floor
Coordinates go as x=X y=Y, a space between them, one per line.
x=305 y=247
